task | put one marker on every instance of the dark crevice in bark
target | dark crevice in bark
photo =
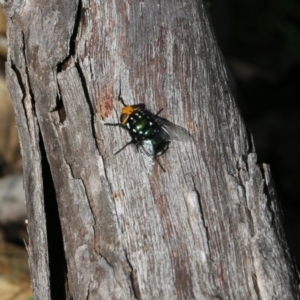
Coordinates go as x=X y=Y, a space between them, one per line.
x=111 y=192
x=251 y=143
x=57 y=260
x=20 y=80
x=27 y=76
x=89 y=102
x=21 y=84
x=72 y=45
x=256 y=288
x=133 y=280
x=202 y=215
x=19 y=77
x=88 y=291
x=73 y=38
x=60 y=109
x=70 y=168
x=267 y=187
x=92 y=212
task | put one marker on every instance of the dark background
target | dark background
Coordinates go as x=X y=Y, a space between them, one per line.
x=260 y=40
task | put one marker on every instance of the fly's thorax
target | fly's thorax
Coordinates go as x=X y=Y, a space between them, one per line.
x=142 y=125
x=129 y=111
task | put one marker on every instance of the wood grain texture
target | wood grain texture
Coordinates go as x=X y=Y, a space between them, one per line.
x=208 y=228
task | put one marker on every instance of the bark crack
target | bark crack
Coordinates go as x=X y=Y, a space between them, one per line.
x=21 y=85
x=24 y=86
x=57 y=261
x=251 y=143
x=111 y=259
x=270 y=192
x=27 y=76
x=60 y=108
x=77 y=22
x=202 y=217
x=88 y=291
x=92 y=212
x=89 y=102
x=72 y=44
x=133 y=279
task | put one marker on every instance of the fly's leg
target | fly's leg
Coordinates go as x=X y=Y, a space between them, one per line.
x=122 y=100
x=115 y=124
x=158 y=112
x=128 y=143
x=120 y=125
x=159 y=164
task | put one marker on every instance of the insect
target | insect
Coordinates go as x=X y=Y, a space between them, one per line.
x=150 y=133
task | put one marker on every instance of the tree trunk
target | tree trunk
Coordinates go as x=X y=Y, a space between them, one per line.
x=101 y=227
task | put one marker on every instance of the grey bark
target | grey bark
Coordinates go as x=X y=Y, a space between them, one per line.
x=100 y=227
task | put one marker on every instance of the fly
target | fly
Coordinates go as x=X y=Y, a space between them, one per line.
x=150 y=133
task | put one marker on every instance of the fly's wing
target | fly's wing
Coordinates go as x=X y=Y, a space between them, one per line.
x=146 y=153
x=172 y=132
x=147 y=148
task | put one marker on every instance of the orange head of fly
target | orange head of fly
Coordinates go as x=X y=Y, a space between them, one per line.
x=127 y=111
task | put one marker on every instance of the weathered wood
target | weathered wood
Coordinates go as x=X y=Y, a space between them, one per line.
x=208 y=228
